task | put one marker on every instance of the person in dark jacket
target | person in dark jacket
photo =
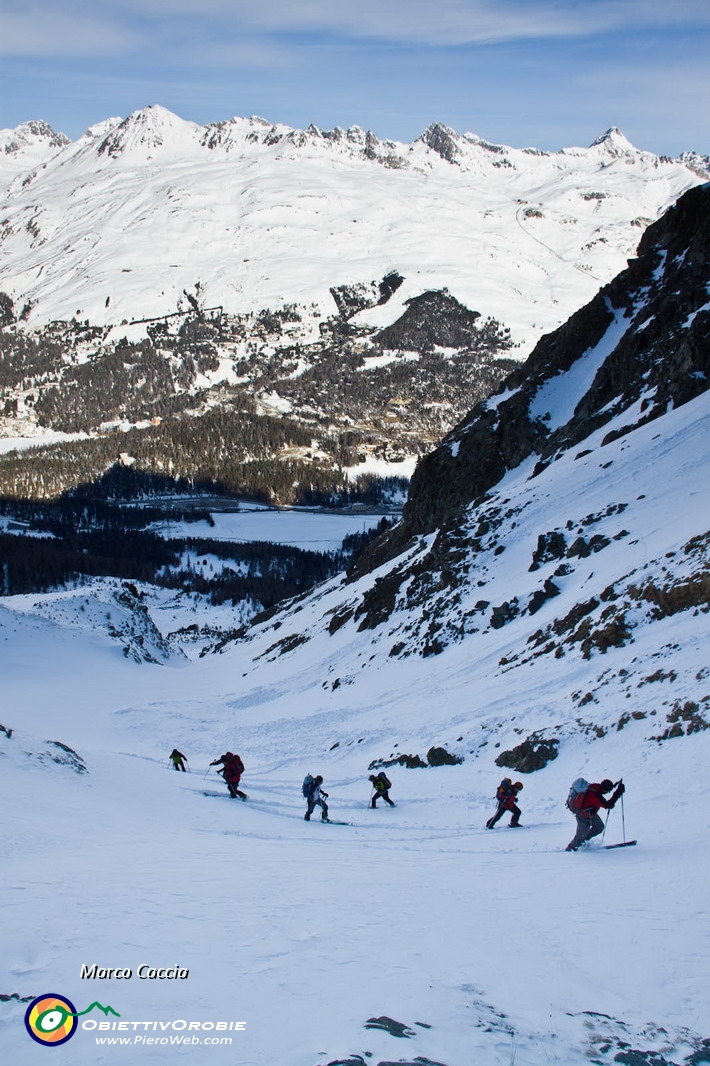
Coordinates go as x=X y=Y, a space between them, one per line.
x=507 y=794
x=316 y=798
x=382 y=785
x=586 y=811
x=232 y=770
x=178 y=760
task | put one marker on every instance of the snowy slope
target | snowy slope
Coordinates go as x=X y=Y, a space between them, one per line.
x=120 y=224
x=305 y=932
x=495 y=947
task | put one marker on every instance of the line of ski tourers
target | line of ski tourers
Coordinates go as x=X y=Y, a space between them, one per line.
x=584 y=800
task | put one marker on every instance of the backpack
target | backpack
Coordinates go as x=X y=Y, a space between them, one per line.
x=384 y=780
x=233 y=769
x=577 y=795
x=306 y=787
x=504 y=790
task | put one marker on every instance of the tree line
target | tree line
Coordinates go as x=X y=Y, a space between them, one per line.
x=260 y=572
x=344 y=403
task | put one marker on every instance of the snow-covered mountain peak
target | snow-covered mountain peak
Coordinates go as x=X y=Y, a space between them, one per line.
x=699 y=164
x=148 y=130
x=236 y=133
x=443 y=140
x=250 y=136
x=291 y=213
x=614 y=142
x=29 y=145
x=101 y=129
x=35 y=132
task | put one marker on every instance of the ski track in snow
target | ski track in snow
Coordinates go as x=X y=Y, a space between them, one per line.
x=306 y=931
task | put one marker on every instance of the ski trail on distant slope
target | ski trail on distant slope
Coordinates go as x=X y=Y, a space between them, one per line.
x=552 y=251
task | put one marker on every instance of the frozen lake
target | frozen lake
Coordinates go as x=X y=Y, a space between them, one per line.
x=321 y=531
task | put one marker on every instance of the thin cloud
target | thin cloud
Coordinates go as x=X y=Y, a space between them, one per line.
x=446 y=22
x=250 y=54
x=69 y=27
x=48 y=30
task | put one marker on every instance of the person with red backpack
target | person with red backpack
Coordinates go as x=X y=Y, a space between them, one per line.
x=232 y=770
x=584 y=801
x=507 y=794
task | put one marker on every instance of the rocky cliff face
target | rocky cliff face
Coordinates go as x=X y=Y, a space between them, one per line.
x=639 y=348
x=553 y=565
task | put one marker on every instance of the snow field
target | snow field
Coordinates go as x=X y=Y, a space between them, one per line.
x=294 y=528
x=306 y=930
x=260 y=225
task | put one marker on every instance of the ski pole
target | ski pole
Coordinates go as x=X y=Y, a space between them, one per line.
x=208 y=770
x=606 y=823
x=623 y=818
x=371 y=795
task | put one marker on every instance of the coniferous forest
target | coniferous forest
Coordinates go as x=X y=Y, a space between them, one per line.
x=76 y=539
x=241 y=402
x=206 y=404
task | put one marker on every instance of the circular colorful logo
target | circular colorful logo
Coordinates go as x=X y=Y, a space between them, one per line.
x=51 y=1019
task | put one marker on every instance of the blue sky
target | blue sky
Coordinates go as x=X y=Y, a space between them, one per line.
x=548 y=73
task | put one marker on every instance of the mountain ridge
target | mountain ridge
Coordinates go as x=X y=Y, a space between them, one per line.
x=152 y=126
x=113 y=226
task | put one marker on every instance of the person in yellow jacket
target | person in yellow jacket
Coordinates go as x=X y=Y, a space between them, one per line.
x=381 y=784
x=178 y=760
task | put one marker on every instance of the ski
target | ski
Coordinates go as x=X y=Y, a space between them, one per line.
x=495 y=827
x=331 y=821
x=222 y=795
x=626 y=844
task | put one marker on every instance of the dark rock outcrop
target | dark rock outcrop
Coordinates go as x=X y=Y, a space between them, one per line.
x=534 y=753
x=655 y=320
x=389 y=1025
x=438 y=756
x=63 y=755
x=442 y=140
